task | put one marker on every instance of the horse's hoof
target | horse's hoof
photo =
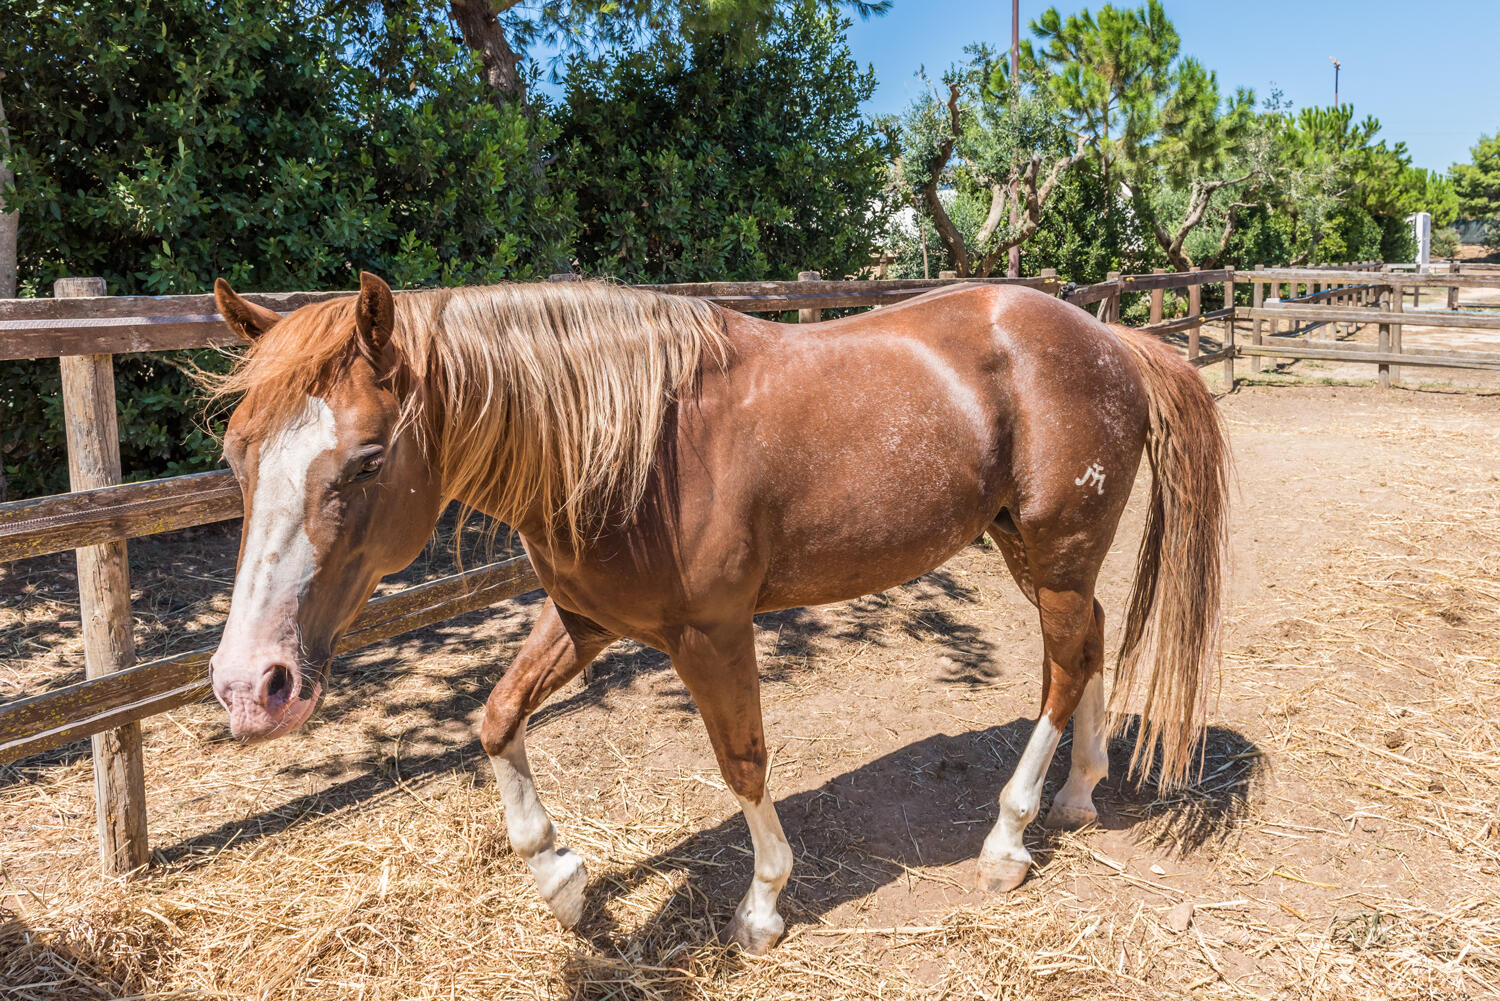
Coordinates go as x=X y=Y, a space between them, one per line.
x=1001 y=875
x=756 y=940
x=569 y=881
x=1062 y=817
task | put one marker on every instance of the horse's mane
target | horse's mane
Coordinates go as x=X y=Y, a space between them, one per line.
x=547 y=396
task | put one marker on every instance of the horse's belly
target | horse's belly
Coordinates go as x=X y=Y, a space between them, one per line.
x=880 y=544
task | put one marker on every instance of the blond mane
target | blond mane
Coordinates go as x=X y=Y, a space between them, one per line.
x=542 y=397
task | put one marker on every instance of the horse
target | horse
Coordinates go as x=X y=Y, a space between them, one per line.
x=673 y=468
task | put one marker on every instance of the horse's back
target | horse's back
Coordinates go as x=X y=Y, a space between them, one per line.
x=864 y=451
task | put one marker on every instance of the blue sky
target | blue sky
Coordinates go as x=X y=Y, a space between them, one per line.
x=1421 y=68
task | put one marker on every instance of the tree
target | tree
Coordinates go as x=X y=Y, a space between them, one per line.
x=1005 y=149
x=1190 y=148
x=1367 y=188
x=501 y=32
x=164 y=143
x=1477 y=184
x=689 y=165
x=1107 y=73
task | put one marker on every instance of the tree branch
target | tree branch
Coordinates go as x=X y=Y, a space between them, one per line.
x=1034 y=199
x=482 y=32
x=996 y=214
x=952 y=239
x=10 y=223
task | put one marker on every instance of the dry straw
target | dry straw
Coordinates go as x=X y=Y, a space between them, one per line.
x=1344 y=842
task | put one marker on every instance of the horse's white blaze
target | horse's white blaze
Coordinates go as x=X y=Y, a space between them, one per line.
x=773 y=865
x=1022 y=795
x=1075 y=800
x=559 y=873
x=279 y=558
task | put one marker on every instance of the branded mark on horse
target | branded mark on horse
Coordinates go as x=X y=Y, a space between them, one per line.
x=673 y=468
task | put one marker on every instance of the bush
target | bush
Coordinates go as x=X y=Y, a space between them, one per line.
x=282 y=145
x=692 y=163
x=1445 y=243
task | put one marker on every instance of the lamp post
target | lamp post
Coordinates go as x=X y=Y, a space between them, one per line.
x=1335 y=80
x=1014 y=269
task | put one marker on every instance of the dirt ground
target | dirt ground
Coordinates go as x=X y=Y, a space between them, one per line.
x=1344 y=841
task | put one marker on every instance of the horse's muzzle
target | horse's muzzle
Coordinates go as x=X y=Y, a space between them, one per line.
x=267 y=700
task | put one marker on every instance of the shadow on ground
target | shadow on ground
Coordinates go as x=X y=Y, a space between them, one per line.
x=927 y=804
x=362 y=683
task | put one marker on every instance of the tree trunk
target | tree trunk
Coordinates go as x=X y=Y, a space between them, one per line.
x=10 y=226
x=481 y=30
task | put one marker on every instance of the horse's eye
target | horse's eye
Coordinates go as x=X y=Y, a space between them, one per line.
x=369 y=468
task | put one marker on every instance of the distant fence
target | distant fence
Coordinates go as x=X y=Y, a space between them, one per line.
x=84 y=328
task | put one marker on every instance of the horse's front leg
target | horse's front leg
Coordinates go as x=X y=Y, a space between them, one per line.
x=560 y=645
x=718 y=666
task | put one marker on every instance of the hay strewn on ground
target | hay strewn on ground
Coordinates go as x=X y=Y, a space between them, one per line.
x=1345 y=842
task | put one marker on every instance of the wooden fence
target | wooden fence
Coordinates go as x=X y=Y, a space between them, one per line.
x=84 y=328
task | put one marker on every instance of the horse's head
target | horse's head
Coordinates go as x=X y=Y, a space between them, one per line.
x=337 y=493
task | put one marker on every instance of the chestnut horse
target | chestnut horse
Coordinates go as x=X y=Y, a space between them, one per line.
x=673 y=468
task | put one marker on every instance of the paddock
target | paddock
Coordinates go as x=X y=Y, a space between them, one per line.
x=1344 y=841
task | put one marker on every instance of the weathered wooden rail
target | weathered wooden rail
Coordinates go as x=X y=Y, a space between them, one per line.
x=101 y=513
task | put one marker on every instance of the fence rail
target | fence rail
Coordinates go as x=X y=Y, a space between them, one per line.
x=52 y=328
x=89 y=329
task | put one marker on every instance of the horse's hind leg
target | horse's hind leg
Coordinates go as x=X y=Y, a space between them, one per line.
x=560 y=645
x=718 y=666
x=1074 y=655
x=1074 y=804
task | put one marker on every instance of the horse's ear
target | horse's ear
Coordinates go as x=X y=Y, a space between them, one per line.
x=374 y=315
x=241 y=315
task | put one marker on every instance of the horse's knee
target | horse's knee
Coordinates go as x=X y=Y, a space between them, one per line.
x=502 y=721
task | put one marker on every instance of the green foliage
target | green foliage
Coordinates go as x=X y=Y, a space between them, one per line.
x=1477 y=184
x=282 y=145
x=161 y=144
x=689 y=165
x=573 y=28
x=1084 y=234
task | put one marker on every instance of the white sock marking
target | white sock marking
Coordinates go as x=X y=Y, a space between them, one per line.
x=773 y=865
x=1022 y=795
x=531 y=832
x=1090 y=756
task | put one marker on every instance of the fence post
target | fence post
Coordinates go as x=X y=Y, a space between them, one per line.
x=1157 y=295
x=88 y=391
x=1399 y=306
x=1112 y=311
x=1383 y=334
x=1053 y=285
x=809 y=315
x=1227 y=344
x=1195 y=308
x=1257 y=299
x=1453 y=289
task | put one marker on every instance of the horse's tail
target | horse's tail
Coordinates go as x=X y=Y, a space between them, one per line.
x=1170 y=647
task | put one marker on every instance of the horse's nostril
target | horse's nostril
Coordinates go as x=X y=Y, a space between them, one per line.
x=279 y=688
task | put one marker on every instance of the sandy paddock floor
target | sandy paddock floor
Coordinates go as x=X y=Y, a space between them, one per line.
x=1344 y=841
